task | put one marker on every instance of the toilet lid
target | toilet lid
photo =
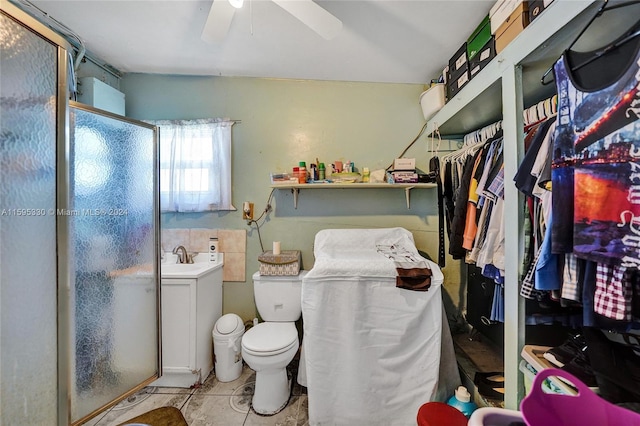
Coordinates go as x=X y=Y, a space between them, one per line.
x=270 y=337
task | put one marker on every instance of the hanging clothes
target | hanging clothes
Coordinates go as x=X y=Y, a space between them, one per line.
x=596 y=159
x=460 y=208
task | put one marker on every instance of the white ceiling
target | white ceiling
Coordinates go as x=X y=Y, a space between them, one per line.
x=392 y=41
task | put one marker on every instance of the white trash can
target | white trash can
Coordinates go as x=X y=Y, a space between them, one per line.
x=227 y=347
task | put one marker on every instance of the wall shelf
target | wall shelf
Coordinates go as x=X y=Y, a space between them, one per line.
x=295 y=188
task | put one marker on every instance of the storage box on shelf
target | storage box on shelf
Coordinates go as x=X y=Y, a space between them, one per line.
x=501 y=11
x=402 y=176
x=512 y=26
x=536 y=7
x=479 y=38
x=458 y=74
x=404 y=164
x=482 y=59
x=432 y=99
x=459 y=63
x=455 y=85
x=283 y=178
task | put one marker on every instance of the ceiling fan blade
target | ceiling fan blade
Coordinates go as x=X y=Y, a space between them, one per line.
x=314 y=16
x=218 y=21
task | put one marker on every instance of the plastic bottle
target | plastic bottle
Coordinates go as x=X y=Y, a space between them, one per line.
x=365 y=175
x=462 y=401
x=302 y=172
x=321 y=171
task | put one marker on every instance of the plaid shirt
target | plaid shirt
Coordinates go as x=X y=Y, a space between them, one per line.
x=613 y=294
x=528 y=290
x=570 y=285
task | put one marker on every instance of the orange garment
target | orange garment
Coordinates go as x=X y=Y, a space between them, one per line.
x=470 y=225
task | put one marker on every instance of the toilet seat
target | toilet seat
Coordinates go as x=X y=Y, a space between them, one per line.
x=270 y=338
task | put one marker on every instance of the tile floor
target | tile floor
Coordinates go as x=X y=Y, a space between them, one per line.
x=213 y=403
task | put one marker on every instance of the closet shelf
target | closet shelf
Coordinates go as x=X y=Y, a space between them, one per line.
x=535 y=49
x=508 y=83
x=295 y=188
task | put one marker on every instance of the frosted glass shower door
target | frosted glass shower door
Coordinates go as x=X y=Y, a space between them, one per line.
x=28 y=278
x=113 y=222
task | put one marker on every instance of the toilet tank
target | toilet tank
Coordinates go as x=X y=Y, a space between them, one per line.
x=278 y=298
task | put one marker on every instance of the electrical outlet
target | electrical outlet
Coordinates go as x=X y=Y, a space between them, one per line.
x=247 y=211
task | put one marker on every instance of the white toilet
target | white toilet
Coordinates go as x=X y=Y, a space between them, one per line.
x=269 y=347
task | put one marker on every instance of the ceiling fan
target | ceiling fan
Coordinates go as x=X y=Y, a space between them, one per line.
x=309 y=13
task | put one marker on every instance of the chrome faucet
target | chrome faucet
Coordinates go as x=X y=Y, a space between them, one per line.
x=183 y=256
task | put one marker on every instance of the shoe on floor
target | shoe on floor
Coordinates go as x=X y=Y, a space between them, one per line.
x=581 y=369
x=495 y=378
x=491 y=391
x=563 y=354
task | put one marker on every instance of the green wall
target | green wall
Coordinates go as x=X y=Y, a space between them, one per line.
x=287 y=121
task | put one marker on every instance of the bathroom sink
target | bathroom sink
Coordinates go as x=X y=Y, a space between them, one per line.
x=188 y=270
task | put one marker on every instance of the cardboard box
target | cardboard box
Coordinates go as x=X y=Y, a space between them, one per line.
x=283 y=179
x=515 y=23
x=456 y=85
x=458 y=63
x=285 y=263
x=501 y=11
x=404 y=164
x=478 y=38
x=536 y=7
x=482 y=59
x=410 y=176
x=402 y=177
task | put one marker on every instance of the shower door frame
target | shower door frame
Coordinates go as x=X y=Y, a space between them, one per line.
x=63 y=223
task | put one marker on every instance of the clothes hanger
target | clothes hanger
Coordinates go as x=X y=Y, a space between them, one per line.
x=607 y=49
x=547 y=108
x=473 y=141
x=603 y=51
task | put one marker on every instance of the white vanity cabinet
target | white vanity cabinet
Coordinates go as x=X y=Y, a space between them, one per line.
x=191 y=303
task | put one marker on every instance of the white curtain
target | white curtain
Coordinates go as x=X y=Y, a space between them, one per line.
x=195 y=165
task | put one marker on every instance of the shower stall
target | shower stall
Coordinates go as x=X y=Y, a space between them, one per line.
x=79 y=276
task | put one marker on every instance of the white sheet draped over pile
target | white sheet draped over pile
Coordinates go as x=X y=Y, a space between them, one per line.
x=372 y=351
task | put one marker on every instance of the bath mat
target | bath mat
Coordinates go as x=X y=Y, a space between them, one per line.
x=163 y=416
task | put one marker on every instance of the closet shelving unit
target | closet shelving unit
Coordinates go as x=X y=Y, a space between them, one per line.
x=501 y=91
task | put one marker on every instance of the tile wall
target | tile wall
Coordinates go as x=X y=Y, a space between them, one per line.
x=232 y=242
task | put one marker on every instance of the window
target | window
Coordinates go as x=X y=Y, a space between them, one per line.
x=195 y=165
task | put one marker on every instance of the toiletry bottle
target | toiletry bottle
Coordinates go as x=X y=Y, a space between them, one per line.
x=365 y=174
x=462 y=401
x=321 y=171
x=302 y=172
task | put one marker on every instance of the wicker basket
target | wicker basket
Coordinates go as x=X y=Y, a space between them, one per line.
x=285 y=263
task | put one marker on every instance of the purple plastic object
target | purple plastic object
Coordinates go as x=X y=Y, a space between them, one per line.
x=584 y=409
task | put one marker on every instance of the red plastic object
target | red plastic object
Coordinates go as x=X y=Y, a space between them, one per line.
x=586 y=408
x=440 y=414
